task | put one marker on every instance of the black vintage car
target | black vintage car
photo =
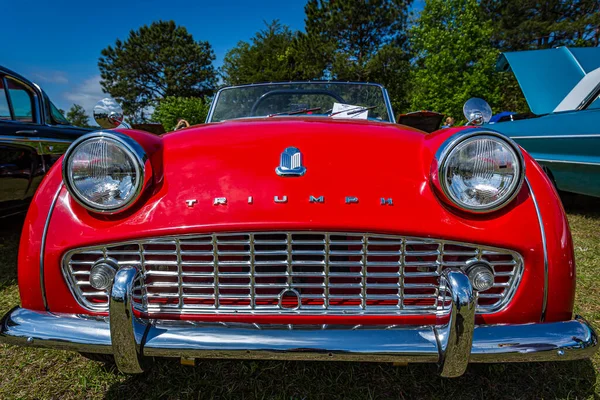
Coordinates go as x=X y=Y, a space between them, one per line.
x=33 y=135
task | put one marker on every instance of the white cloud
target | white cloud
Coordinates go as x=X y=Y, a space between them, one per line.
x=86 y=94
x=57 y=77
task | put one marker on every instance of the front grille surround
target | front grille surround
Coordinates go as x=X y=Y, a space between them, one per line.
x=332 y=273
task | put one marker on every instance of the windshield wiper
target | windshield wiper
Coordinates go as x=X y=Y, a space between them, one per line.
x=352 y=111
x=300 y=111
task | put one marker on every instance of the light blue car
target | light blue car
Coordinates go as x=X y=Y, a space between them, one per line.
x=562 y=88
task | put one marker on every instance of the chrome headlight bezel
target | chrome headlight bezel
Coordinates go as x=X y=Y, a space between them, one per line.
x=439 y=169
x=131 y=148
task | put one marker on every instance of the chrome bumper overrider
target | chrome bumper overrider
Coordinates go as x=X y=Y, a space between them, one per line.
x=452 y=344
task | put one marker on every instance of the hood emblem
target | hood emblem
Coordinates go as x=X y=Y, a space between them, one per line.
x=291 y=163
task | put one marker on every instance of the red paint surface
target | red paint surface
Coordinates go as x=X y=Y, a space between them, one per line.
x=31 y=240
x=561 y=257
x=367 y=160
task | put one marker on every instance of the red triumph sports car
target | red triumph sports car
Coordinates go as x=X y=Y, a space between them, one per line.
x=301 y=222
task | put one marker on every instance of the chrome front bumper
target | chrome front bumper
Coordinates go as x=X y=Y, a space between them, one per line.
x=452 y=344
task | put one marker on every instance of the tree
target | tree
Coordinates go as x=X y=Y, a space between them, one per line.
x=533 y=24
x=455 y=59
x=77 y=116
x=171 y=109
x=267 y=58
x=155 y=62
x=359 y=41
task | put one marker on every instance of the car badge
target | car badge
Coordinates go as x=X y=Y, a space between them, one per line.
x=289 y=299
x=291 y=163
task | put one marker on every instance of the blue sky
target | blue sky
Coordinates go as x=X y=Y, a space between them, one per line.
x=57 y=43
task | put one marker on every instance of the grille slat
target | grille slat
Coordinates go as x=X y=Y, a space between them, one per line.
x=292 y=272
x=95 y=294
x=216 y=266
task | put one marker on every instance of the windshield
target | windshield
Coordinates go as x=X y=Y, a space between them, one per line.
x=323 y=99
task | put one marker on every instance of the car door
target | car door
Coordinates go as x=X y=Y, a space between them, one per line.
x=33 y=135
x=19 y=158
x=52 y=140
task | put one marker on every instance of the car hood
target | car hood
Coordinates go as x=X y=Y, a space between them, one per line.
x=547 y=76
x=222 y=177
x=238 y=159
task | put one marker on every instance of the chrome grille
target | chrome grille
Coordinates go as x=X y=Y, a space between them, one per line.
x=292 y=272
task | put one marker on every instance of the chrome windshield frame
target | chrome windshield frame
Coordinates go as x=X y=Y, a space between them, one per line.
x=386 y=97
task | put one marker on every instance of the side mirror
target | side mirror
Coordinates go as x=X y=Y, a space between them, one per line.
x=108 y=113
x=477 y=111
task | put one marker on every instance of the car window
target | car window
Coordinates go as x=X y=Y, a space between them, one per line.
x=4 y=109
x=22 y=101
x=57 y=116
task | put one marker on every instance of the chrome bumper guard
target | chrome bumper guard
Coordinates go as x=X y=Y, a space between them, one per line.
x=452 y=344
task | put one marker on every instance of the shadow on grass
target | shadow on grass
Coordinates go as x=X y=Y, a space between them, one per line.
x=581 y=205
x=10 y=231
x=308 y=380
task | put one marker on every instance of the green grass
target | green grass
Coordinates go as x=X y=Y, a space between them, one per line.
x=39 y=373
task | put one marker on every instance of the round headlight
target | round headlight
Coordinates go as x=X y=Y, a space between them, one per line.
x=104 y=172
x=481 y=171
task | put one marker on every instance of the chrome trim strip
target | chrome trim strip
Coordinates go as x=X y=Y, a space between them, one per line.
x=211 y=109
x=457 y=339
x=556 y=137
x=543 y=234
x=590 y=98
x=556 y=341
x=122 y=325
x=392 y=117
x=43 y=246
x=41 y=145
x=567 y=162
x=11 y=110
x=388 y=104
x=293 y=342
x=43 y=105
x=73 y=332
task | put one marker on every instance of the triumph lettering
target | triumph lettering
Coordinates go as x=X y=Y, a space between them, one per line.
x=222 y=201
